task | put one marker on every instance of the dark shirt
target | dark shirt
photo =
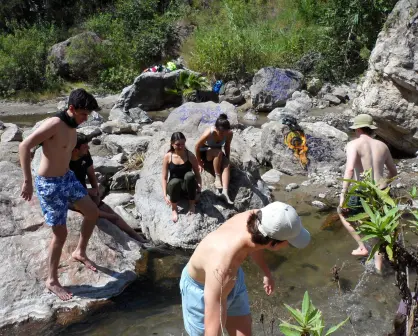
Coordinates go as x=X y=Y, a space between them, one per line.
x=80 y=166
x=178 y=171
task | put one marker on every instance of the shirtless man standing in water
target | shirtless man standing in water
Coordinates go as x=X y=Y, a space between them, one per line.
x=56 y=185
x=364 y=153
x=212 y=283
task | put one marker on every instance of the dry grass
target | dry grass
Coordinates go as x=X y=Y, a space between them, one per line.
x=134 y=162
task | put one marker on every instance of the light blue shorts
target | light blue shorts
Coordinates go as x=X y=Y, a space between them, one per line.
x=193 y=304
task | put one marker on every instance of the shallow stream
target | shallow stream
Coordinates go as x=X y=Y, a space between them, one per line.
x=151 y=305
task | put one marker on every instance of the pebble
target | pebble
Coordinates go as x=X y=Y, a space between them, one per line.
x=319 y=204
x=322 y=195
x=292 y=186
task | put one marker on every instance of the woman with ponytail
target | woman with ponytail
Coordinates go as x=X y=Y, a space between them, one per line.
x=209 y=152
x=185 y=179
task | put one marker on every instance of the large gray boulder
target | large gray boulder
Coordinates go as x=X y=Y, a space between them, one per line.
x=325 y=148
x=190 y=118
x=148 y=92
x=390 y=90
x=67 y=65
x=24 y=241
x=247 y=190
x=272 y=87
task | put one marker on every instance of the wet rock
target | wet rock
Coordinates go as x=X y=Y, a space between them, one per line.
x=24 y=241
x=125 y=180
x=11 y=133
x=320 y=205
x=127 y=144
x=291 y=186
x=272 y=87
x=272 y=176
x=332 y=99
x=390 y=91
x=106 y=166
x=250 y=116
x=96 y=141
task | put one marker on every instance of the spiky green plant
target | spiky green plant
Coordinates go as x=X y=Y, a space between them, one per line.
x=188 y=84
x=309 y=321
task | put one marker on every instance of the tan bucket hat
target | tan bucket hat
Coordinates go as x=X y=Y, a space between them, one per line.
x=363 y=120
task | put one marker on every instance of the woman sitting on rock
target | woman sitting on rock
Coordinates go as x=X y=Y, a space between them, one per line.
x=184 y=178
x=209 y=149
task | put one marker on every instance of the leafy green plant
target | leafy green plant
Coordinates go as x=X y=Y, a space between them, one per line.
x=381 y=226
x=188 y=84
x=309 y=321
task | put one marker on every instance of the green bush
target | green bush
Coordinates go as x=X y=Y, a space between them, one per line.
x=23 y=59
x=246 y=35
x=139 y=34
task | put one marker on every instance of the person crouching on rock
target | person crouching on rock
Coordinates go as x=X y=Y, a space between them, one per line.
x=56 y=184
x=209 y=152
x=81 y=164
x=185 y=176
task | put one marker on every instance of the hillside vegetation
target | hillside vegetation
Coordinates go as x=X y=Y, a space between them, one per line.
x=232 y=39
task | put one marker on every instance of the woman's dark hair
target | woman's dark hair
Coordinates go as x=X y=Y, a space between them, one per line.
x=174 y=137
x=256 y=236
x=81 y=99
x=222 y=123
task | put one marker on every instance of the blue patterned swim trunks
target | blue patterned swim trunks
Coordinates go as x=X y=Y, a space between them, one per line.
x=54 y=193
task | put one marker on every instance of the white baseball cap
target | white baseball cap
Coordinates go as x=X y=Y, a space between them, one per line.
x=280 y=221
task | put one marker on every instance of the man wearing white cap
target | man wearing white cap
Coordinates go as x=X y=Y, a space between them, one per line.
x=364 y=153
x=213 y=291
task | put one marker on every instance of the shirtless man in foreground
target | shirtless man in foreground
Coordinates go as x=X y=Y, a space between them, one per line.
x=212 y=283
x=56 y=184
x=364 y=153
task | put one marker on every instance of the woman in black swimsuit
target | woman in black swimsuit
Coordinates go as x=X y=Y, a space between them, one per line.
x=184 y=178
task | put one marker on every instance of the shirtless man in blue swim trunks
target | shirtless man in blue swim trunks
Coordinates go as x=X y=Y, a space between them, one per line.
x=215 y=284
x=56 y=184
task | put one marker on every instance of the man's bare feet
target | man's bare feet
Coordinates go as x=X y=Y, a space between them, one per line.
x=175 y=216
x=192 y=208
x=56 y=288
x=84 y=260
x=361 y=251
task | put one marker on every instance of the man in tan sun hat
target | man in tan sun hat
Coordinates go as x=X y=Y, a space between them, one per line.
x=213 y=292
x=364 y=153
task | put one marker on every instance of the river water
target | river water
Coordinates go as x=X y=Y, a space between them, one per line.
x=152 y=306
